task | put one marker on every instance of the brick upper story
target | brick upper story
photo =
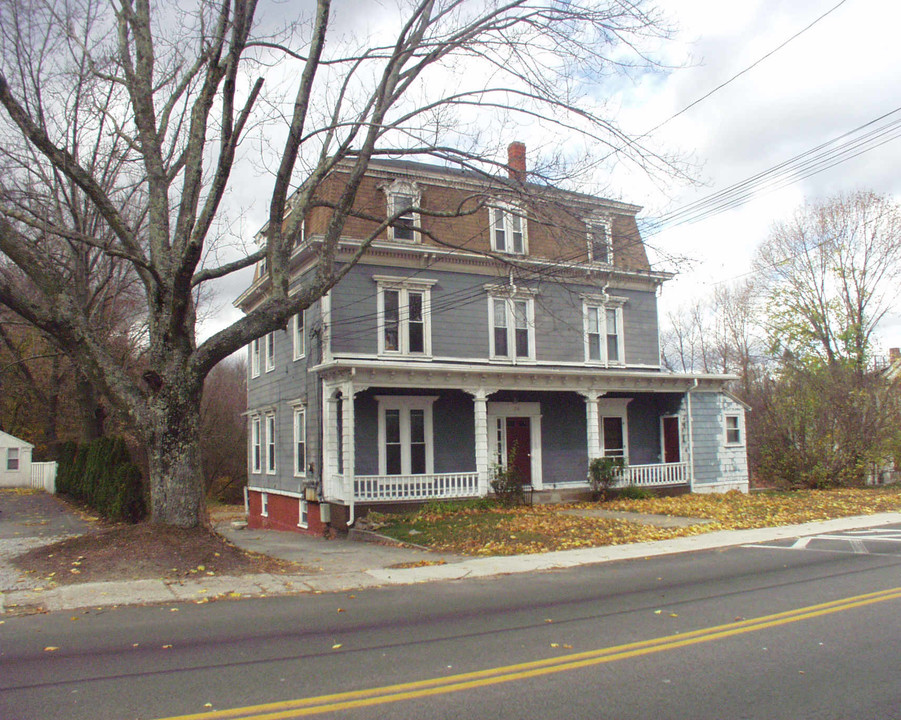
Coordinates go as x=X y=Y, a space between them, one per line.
x=556 y=220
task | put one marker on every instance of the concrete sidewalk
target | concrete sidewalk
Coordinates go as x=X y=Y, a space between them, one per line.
x=346 y=565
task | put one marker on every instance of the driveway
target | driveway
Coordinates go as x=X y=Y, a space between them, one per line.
x=28 y=520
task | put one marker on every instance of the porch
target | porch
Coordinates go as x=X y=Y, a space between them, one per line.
x=417 y=435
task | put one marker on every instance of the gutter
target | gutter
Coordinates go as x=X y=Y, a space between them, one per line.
x=691 y=438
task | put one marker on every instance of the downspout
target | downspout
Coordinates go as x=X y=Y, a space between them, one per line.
x=691 y=439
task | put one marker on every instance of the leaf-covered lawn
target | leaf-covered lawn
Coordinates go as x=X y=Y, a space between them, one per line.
x=482 y=529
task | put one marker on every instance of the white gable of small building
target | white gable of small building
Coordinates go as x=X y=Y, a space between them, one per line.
x=15 y=461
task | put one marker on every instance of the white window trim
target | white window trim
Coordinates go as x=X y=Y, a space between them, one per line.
x=300 y=413
x=10 y=452
x=614 y=407
x=264 y=504
x=741 y=429
x=404 y=287
x=603 y=305
x=403 y=187
x=299 y=335
x=302 y=509
x=270 y=461
x=256 y=443
x=508 y=211
x=269 y=351
x=254 y=363
x=405 y=403
x=607 y=223
x=511 y=327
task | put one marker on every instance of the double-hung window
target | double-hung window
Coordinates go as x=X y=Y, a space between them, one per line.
x=270 y=351
x=300 y=442
x=404 y=309
x=255 y=358
x=12 y=458
x=508 y=231
x=403 y=197
x=300 y=339
x=511 y=321
x=256 y=445
x=600 y=249
x=405 y=435
x=733 y=430
x=603 y=334
x=270 y=444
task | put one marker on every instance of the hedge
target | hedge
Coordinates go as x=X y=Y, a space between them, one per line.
x=101 y=475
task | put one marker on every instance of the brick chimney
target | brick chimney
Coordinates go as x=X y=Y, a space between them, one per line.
x=516 y=161
x=894 y=354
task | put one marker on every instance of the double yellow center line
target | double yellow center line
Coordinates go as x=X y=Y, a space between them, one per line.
x=536 y=668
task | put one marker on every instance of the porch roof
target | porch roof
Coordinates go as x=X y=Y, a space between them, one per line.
x=492 y=376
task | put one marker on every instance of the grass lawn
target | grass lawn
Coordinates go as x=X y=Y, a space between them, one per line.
x=482 y=528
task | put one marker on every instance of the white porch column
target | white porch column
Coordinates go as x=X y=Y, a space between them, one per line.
x=331 y=488
x=347 y=440
x=480 y=406
x=593 y=423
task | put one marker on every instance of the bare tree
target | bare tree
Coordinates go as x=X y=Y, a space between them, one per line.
x=167 y=96
x=831 y=275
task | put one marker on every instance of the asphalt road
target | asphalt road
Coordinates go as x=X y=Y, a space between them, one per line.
x=795 y=629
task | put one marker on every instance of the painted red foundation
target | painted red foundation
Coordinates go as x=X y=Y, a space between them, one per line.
x=283 y=514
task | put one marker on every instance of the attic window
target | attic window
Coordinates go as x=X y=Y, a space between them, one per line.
x=600 y=249
x=508 y=231
x=402 y=198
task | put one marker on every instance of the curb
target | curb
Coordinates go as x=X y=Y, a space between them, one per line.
x=139 y=592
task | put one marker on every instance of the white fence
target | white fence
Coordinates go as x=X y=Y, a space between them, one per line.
x=43 y=476
x=394 y=488
x=655 y=475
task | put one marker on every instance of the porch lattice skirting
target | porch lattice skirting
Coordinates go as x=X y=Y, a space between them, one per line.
x=655 y=475
x=388 y=488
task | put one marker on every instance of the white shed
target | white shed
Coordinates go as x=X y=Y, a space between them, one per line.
x=15 y=461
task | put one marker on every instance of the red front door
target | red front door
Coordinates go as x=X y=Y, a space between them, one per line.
x=519 y=447
x=671 y=440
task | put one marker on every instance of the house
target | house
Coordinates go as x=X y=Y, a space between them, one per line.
x=15 y=461
x=522 y=330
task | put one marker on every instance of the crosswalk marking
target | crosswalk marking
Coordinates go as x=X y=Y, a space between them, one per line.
x=852 y=541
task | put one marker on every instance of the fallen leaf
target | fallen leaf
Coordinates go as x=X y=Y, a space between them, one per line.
x=336 y=646
x=340 y=609
x=173 y=609
x=208 y=704
x=674 y=614
x=51 y=648
x=555 y=645
x=166 y=647
x=568 y=647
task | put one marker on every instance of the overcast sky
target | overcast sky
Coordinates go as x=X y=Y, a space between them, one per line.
x=834 y=77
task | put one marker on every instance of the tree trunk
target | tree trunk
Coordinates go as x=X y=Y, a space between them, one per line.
x=173 y=450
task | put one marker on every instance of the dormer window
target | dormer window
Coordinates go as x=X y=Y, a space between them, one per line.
x=403 y=197
x=600 y=248
x=508 y=231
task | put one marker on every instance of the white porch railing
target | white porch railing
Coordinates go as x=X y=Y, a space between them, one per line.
x=393 y=488
x=655 y=475
x=43 y=476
